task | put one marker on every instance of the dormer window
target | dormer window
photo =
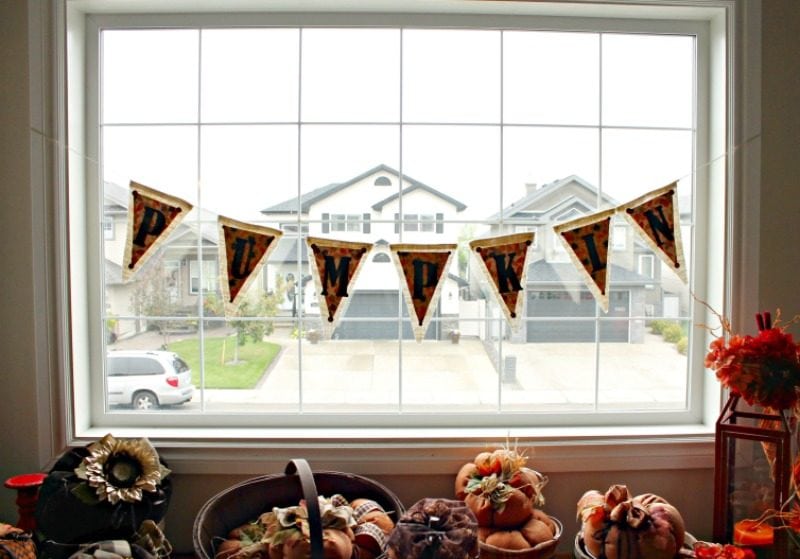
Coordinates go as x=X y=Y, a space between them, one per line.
x=382 y=181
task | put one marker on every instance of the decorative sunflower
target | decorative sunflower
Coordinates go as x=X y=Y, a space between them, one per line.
x=120 y=470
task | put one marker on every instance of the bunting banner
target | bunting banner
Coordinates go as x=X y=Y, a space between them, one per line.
x=655 y=216
x=335 y=269
x=586 y=240
x=243 y=250
x=152 y=216
x=423 y=269
x=504 y=260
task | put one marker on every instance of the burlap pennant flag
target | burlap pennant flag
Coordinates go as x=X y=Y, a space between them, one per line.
x=504 y=261
x=655 y=216
x=586 y=240
x=243 y=250
x=423 y=269
x=336 y=265
x=152 y=216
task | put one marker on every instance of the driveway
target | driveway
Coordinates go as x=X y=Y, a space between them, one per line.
x=342 y=376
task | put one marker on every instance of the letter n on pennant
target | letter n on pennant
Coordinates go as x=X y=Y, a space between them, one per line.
x=656 y=218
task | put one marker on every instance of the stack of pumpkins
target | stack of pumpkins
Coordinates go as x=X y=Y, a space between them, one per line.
x=506 y=498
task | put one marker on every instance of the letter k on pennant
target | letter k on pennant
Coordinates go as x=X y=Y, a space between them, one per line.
x=152 y=216
x=504 y=260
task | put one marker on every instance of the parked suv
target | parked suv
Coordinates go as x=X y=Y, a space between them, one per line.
x=147 y=379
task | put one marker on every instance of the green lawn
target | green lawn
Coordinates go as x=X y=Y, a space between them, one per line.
x=253 y=360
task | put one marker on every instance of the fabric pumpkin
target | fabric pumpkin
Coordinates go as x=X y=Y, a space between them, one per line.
x=618 y=526
x=65 y=518
x=435 y=529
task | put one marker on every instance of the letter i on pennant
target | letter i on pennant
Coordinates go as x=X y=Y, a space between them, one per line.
x=336 y=265
x=152 y=216
x=586 y=240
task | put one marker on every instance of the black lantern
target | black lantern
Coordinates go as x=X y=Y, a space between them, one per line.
x=752 y=471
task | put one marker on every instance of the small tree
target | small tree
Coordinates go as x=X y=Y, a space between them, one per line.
x=254 y=306
x=151 y=296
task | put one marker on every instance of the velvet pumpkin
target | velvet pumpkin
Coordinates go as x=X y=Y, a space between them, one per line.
x=618 y=526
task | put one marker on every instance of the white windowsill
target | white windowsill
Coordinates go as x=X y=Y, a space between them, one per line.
x=430 y=451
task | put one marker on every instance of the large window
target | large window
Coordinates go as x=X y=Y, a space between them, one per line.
x=478 y=129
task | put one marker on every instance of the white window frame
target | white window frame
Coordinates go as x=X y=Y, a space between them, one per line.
x=108 y=228
x=205 y=276
x=651 y=265
x=721 y=16
x=427 y=223
x=619 y=237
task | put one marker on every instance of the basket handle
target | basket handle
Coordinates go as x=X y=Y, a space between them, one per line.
x=303 y=470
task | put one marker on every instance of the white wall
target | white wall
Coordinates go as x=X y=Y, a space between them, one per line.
x=775 y=260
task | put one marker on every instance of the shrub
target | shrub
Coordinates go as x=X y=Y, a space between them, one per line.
x=657 y=326
x=672 y=333
x=682 y=345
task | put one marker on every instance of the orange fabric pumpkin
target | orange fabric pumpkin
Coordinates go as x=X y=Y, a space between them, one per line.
x=467 y=472
x=508 y=539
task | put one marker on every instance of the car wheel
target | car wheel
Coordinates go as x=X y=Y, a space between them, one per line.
x=145 y=401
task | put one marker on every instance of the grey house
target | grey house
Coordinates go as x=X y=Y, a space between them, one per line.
x=556 y=297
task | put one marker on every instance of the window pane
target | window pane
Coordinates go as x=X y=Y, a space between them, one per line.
x=648 y=80
x=161 y=157
x=638 y=161
x=451 y=76
x=650 y=372
x=351 y=75
x=335 y=154
x=442 y=375
x=149 y=75
x=246 y=169
x=536 y=157
x=550 y=375
x=465 y=169
x=551 y=78
x=250 y=75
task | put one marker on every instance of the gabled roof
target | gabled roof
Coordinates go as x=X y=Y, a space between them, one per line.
x=113 y=273
x=419 y=186
x=524 y=206
x=308 y=199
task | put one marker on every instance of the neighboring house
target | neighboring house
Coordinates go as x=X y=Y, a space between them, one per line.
x=366 y=208
x=555 y=287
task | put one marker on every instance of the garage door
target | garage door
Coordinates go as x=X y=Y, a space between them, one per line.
x=564 y=304
x=371 y=304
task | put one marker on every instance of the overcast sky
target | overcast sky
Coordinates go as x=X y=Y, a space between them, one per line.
x=228 y=124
